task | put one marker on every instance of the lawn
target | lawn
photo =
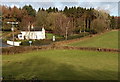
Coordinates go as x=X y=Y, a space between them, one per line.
x=61 y=65
x=0 y=33
x=50 y=36
x=106 y=40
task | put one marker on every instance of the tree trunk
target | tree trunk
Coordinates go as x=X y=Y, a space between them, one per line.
x=89 y=24
x=86 y=23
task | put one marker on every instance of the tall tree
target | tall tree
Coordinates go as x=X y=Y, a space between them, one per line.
x=30 y=10
x=49 y=10
x=59 y=23
x=39 y=9
x=41 y=19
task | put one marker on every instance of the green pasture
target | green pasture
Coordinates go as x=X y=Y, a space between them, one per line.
x=61 y=65
x=50 y=36
x=106 y=40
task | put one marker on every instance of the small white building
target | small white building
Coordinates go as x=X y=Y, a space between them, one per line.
x=13 y=43
x=32 y=35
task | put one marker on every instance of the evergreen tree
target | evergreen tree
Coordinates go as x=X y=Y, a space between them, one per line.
x=30 y=10
x=65 y=9
x=49 y=10
x=39 y=9
x=56 y=9
x=43 y=9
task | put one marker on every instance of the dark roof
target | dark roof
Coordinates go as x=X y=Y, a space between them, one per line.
x=34 y=29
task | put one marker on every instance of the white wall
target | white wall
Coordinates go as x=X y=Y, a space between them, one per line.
x=15 y=43
x=32 y=35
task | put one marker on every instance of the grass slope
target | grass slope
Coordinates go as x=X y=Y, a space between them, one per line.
x=61 y=65
x=106 y=40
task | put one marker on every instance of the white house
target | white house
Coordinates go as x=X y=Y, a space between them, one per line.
x=32 y=35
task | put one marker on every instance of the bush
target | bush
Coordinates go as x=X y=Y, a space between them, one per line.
x=93 y=32
x=36 y=42
x=25 y=42
x=60 y=39
x=42 y=42
x=77 y=36
x=87 y=30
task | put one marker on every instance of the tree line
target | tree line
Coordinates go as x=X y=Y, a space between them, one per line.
x=70 y=20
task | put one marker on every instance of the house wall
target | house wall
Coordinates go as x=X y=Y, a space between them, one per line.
x=32 y=35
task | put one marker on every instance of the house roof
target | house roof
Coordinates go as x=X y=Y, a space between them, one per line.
x=34 y=29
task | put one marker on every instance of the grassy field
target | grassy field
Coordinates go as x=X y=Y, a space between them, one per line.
x=66 y=64
x=106 y=40
x=50 y=36
x=61 y=65
x=0 y=33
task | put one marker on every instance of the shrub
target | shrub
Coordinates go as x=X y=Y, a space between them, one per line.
x=42 y=42
x=77 y=36
x=93 y=32
x=25 y=42
x=36 y=42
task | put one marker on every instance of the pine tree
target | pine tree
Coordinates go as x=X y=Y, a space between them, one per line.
x=49 y=10
x=56 y=9
x=39 y=9
x=43 y=9
x=30 y=10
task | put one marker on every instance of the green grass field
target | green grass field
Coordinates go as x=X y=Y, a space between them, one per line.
x=61 y=65
x=0 y=33
x=66 y=64
x=50 y=36
x=106 y=40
